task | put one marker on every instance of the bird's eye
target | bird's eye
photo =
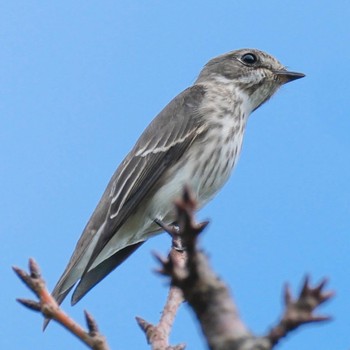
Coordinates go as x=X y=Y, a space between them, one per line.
x=249 y=58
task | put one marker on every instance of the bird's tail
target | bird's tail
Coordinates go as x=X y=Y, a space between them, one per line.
x=90 y=278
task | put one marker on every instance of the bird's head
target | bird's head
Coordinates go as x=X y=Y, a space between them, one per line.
x=252 y=72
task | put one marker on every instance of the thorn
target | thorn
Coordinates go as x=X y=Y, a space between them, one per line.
x=34 y=269
x=20 y=273
x=30 y=304
x=327 y=295
x=321 y=285
x=189 y=198
x=203 y=225
x=287 y=294
x=24 y=277
x=306 y=286
x=91 y=323
x=161 y=272
x=160 y=259
x=186 y=194
x=321 y=318
x=146 y=327
x=165 y=265
x=142 y=323
x=198 y=228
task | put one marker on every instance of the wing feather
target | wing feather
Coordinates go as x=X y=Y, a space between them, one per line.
x=161 y=144
x=180 y=118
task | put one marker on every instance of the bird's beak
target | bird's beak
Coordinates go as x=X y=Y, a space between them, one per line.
x=285 y=76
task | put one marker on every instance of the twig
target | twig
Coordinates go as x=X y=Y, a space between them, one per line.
x=158 y=335
x=48 y=306
x=300 y=311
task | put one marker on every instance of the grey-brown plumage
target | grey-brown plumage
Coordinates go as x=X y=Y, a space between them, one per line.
x=195 y=140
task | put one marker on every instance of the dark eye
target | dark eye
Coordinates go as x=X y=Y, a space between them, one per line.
x=249 y=58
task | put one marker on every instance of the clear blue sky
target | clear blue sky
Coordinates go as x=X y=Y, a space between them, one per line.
x=80 y=80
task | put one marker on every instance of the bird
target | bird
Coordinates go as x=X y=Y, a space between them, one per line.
x=194 y=141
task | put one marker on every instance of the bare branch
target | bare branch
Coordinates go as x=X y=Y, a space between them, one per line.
x=206 y=294
x=48 y=306
x=193 y=279
x=301 y=310
x=210 y=299
x=158 y=335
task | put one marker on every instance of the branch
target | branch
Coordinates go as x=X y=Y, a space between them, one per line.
x=210 y=299
x=300 y=311
x=48 y=306
x=158 y=335
x=192 y=279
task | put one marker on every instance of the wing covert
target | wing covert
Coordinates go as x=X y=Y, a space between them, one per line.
x=161 y=145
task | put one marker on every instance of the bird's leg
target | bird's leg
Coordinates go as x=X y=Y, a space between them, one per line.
x=158 y=335
x=173 y=228
x=174 y=231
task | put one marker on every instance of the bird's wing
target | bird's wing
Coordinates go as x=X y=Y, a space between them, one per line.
x=161 y=144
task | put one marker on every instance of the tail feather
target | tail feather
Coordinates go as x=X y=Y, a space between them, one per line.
x=91 y=278
x=95 y=275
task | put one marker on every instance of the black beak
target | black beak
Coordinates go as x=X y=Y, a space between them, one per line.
x=285 y=76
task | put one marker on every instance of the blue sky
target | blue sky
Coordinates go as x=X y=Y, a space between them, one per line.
x=80 y=80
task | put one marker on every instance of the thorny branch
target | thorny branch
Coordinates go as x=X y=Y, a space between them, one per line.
x=300 y=311
x=192 y=279
x=210 y=299
x=48 y=306
x=158 y=335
